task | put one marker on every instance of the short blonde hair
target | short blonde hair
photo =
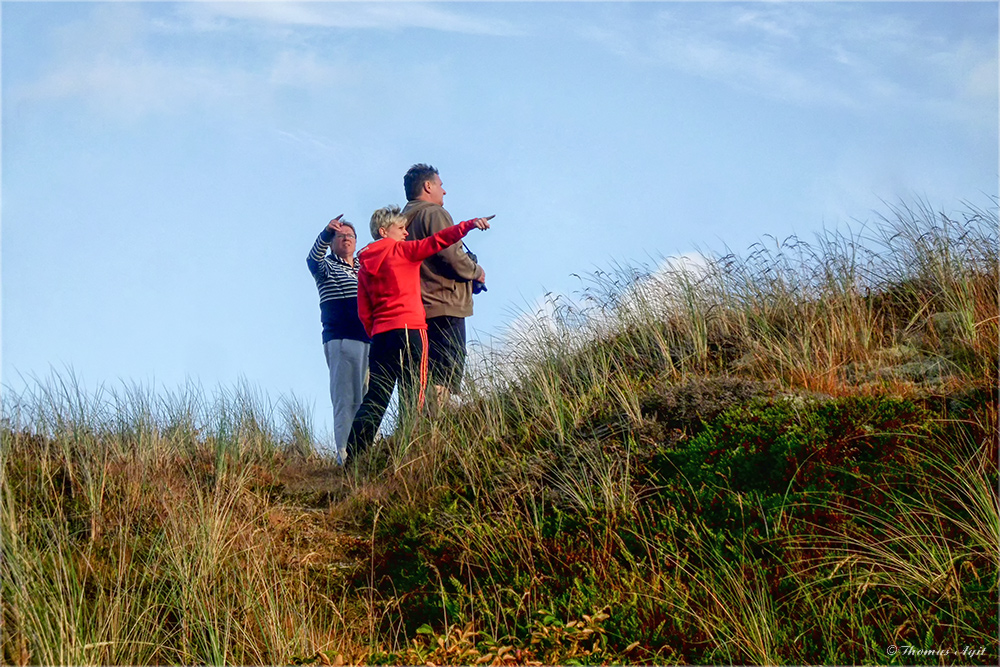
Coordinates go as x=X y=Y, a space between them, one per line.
x=385 y=217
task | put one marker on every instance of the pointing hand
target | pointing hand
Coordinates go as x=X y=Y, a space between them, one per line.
x=483 y=223
x=335 y=224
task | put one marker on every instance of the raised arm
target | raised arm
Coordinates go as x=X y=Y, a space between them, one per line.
x=451 y=261
x=314 y=260
x=418 y=251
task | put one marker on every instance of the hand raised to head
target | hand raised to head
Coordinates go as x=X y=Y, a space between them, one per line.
x=335 y=225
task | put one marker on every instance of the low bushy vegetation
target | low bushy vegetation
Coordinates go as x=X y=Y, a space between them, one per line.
x=784 y=457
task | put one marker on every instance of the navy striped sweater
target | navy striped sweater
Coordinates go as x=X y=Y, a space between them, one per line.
x=337 y=282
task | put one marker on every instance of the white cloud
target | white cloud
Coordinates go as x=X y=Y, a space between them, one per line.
x=853 y=55
x=970 y=70
x=366 y=15
x=766 y=22
x=746 y=48
x=980 y=80
x=128 y=77
x=304 y=70
x=127 y=61
x=312 y=142
x=133 y=88
x=756 y=70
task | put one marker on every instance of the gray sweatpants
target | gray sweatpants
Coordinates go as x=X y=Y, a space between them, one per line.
x=348 y=363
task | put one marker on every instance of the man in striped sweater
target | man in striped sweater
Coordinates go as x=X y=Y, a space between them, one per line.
x=344 y=339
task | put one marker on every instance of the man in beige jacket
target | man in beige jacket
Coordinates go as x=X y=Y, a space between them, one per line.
x=445 y=280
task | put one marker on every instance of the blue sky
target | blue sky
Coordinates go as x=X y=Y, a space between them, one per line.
x=167 y=166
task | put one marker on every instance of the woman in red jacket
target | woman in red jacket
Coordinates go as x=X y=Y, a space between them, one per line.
x=392 y=313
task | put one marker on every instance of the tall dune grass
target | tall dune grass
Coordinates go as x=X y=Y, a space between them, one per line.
x=139 y=529
x=563 y=513
x=543 y=477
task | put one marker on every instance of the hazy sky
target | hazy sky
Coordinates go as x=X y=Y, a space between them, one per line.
x=167 y=166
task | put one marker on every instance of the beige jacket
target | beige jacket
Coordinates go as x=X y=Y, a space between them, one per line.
x=445 y=278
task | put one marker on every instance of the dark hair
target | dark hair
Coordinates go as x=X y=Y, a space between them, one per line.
x=416 y=176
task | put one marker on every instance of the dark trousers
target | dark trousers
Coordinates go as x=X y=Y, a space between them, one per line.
x=396 y=357
x=446 y=351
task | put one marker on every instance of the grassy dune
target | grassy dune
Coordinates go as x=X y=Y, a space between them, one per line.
x=783 y=456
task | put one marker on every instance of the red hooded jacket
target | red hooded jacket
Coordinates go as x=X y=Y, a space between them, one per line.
x=389 y=280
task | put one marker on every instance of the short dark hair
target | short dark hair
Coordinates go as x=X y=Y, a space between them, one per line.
x=416 y=176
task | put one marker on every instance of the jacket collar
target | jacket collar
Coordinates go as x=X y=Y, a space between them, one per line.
x=353 y=264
